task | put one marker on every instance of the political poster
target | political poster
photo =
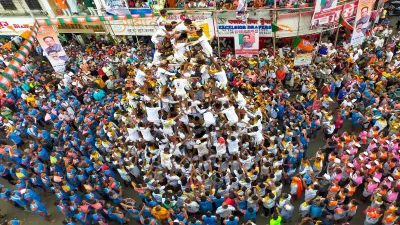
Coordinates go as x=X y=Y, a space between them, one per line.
x=52 y=48
x=361 y=23
x=117 y=7
x=303 y=59
x=247 y=42
x=331 y=16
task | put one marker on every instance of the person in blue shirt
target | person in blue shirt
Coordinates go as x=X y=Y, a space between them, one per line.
x=99 y=94
x=40 y=209
x=14 y=222
x=356 y=119
x=209 y=219
x=205 y=204
x=6 y=174
x=231 y=220
x=64 y=209
x=316 y=209
x=82 y=217
x=249 y=214
x=30 y=195
x=217 y=200
x=91 y=195
x=13 y=135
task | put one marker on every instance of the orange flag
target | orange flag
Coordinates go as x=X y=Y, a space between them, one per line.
x=26 y=34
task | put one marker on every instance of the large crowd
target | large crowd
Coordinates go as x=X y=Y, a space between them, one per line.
x=203 y=139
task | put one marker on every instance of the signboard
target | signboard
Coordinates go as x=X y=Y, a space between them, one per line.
x=147 y=26
x=82 y=28
x=14 y=26
x=116 y=7
x=361 y=24
x=230 y=27
x=246 y=42
x=52 y=48
x=303 y=59
x=331 y=16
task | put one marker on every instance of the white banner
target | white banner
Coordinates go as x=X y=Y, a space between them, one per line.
x=147 y=26
x=14 y=25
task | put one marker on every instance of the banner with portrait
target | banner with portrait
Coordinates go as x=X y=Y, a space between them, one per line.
x=361 y=23
x=117 y=7
x=331 y=16
x=52 y=48
x=247 y=42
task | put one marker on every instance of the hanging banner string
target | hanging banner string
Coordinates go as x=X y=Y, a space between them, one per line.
x=18 y=60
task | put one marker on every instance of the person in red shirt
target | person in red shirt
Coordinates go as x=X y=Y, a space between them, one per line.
x=280 y=74
x=230 y=200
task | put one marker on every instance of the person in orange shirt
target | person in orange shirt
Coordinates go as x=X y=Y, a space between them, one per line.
x=280 y=74
x=160 y=213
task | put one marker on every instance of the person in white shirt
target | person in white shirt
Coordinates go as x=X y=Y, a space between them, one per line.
x=140 y=76
x=181 y=85
x=162 y=72
x=152 y=114
x=230 y=114
x=389 y=56
x=205 y=45
x=233 y=145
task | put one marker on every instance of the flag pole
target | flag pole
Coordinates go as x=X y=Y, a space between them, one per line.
x=219 y=46
x=339 y=25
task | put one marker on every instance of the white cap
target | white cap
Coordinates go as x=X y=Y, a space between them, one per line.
x=348 y=151
x=390 y=178
x=337 y=161
x=368 y=166
x=327 y=177
x=350 y=165
x=376 y=162
x=375 y=140
x=376 y=180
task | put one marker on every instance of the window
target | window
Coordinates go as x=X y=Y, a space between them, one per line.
x=33 y=4
x=8 y=5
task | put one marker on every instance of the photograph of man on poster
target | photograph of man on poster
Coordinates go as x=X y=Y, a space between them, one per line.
x=316 y=24
x=247 y=41
x=53 y=46
x=364 y=16
x=327 y=4
x=55 y=60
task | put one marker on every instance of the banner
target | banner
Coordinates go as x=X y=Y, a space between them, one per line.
x=52 y=48
x=361 y=23
x=246 y=42
x=147 y=26
x=229 y=28
x=303 y=59
x=117 y=7
x=14 y=25
x=331 y=16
